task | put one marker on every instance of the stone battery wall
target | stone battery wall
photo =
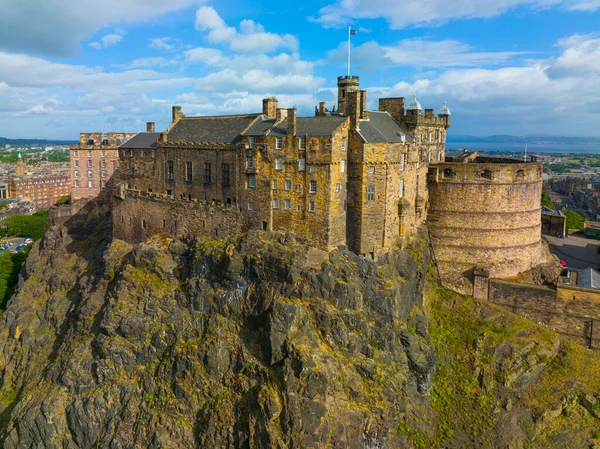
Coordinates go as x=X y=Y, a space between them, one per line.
x=140 y=215
x=485 y=214
x=567 y=310
x=553 y=224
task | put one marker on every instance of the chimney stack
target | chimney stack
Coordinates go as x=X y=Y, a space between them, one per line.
x=364 y=115
x=353 y=101
x=270 y=107
x=177 y=114
x=149 y=127
x=291 y=116
x=281 y=114
x=322 y=108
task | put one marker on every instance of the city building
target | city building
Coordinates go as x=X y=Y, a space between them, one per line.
x=43 y=188
x=93 y=162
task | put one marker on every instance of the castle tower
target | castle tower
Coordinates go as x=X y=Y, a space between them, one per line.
x=20 y=169
x=346 y=84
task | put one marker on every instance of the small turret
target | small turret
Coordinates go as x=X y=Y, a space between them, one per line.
x=346 y=84
x=445 y=111
x=414 y=105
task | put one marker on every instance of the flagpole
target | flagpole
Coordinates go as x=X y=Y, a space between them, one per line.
x=349 y=50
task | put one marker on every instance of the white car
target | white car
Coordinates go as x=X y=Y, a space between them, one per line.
x=28 y=240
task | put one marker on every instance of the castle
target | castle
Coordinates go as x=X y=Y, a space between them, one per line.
x=352 y=176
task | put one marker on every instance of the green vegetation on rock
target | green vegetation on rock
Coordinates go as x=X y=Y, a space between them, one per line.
x=574 y=220
x=546 y=201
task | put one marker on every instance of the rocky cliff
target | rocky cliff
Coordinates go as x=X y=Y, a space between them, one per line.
x=264 y=342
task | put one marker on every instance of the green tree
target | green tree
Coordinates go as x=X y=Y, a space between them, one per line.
x=546 y=201
x=574 y=220
x=33 y=226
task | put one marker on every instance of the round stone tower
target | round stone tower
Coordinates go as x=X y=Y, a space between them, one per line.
x=346 y=84
x=485 y=214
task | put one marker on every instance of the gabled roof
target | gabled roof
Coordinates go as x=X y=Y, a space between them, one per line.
x=141 y=140
x=261 y=127
x=381 y=127
x=223 y=129
x=310 y=126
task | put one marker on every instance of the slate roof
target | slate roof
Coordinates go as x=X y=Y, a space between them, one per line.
x=381 y=127
x=310 y=126
x=588 y=278
x=261 y=127
x=141 y=140
x=224 y=129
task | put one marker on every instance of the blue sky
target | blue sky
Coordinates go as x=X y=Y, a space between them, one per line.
x=504 y=66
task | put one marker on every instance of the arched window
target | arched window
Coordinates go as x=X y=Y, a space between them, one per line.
x=487 y=174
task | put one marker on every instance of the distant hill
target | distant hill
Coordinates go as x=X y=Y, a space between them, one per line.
x=41 y=142
x=521 y=139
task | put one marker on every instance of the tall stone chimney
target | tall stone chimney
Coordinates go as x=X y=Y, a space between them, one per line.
x=270 y=107
x=353 y=102
x=291 y=116
x=177 y=114
x=150 y=127
x=395 y=107
x=280 y=114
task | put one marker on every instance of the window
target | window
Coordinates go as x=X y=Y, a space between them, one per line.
x=342 y=166
x=103 y=164
x=486 y=174
x=298 y=188
x=170 y=170
x=401 y=188
x=131 y=153
x=249 y=206
x=287 y=204
x=90 y=174
x=76 y=173
x=429 y=157
x=298 y=208
x=226 y=175
x=169 y=192
x=301 y=164
x=439 y=156
x=278 y=143
x=89 y=163
x=371 y=169
x=370 y=193
x=90 y=184
x=279 y=163
x=288 y=185
x=103 y=153
x=338 y=187
x=276 y=203
x=274 y=184
x=207 y=173
x=311 y=206
x=251 y=142
x=344 y=143
x=152 y=154
x=77 y=183
x=75 y=163
x=189 y=171
x=104 y=173
x=302 y=143
x=312 y=169
x=90 y=153
x=75 y=153
x=251 y=181
x=103 y=183
x=313 y=187
x=249 y=162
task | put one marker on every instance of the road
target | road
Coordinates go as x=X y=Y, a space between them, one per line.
x=578 y=252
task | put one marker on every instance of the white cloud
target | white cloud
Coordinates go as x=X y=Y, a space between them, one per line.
x=56 y=27
x=162 y=43
x=109 y=40
x=403 y=13
x=418 y=53
x=148 y=62
x=251 y=36
x=209 y=56
x=581 y=56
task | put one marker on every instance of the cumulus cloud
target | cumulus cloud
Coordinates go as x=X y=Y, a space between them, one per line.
x=162 y=43
x=56 y=27
x=251 y=37
x=109 y=40
x=403 y=13
x=418 y=53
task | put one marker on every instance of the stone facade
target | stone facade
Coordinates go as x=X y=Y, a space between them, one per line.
x=93 y=163
x=485 y=213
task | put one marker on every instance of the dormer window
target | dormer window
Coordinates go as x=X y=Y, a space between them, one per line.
x=251 y=141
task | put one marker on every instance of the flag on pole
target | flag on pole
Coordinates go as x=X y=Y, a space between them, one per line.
x=353 y=32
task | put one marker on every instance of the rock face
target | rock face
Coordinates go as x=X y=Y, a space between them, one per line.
x=226 y=344
x=264 y=342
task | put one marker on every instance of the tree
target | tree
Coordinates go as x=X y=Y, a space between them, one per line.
x=574 y=220
x=33 y=226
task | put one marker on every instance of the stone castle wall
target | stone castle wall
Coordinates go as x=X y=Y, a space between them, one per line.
x=140 y=215
x=485 y=214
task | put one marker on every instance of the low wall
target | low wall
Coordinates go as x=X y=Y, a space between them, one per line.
x=139 y=215
x=60 y=214
x=567 y=310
